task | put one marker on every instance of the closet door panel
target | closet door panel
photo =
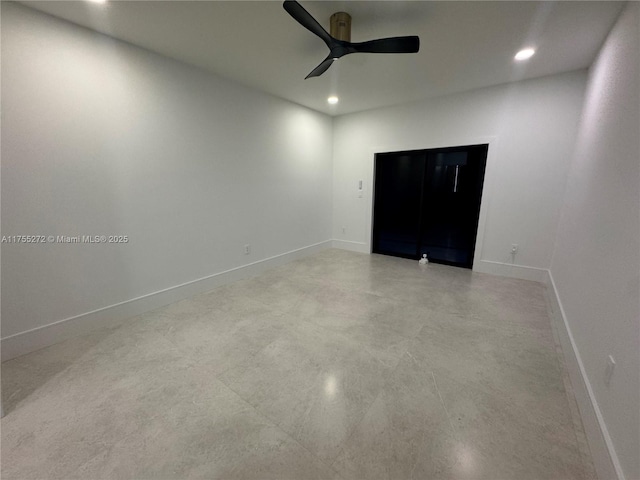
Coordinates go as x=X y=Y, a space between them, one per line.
x=398 y=197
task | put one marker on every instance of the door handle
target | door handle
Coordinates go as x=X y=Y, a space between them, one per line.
x=455 y=180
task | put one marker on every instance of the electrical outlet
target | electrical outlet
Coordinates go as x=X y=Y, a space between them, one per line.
x=247 y=249
x=514 y=248
x=608 y=371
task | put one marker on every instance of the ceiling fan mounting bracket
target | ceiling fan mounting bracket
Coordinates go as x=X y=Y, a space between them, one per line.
x=341 y=26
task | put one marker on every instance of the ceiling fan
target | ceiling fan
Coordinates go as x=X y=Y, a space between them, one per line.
x=339 y=41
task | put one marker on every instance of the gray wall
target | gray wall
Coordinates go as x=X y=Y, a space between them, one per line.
x=596 y=261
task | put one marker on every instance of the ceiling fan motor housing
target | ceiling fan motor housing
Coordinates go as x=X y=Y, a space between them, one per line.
x=341 y=26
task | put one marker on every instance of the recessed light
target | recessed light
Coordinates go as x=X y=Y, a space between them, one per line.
x=525 y=54
x=97 y=1
x=332 y=100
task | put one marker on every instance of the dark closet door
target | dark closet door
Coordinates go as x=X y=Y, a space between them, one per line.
x=451 y=204
x=428 y=201
x=398 y=197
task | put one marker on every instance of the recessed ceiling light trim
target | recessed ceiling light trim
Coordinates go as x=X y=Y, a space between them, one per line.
x=332 y=100
x=524 y=54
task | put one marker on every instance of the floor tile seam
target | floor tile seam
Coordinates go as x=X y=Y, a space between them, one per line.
x=263 y=348
x=250 y=354
x=271 y=308
x=373 y=402
x=393 y=298
x=416 y=336
x=350 y=286
x=239 y=362
x=109 y=448
x=406 y=302
x=495 y=396
x=478 y=384
x=346 y=338
x=531 y=341
x=397 y=304
x=308 y=279
x=425 y=420
x=177 y=350
x=353 y=431
x=508 y=323
x=515 y=411
x=424 y=433
x=537 y=315
x=277 y=426
x=355 y=317
x=249 y=406
x=7 y=400
x=444 y=407
x=95 y=408
x=119 y=325
x=298 y=281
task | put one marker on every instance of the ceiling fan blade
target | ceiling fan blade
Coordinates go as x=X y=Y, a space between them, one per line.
x=389 y=45
x=305 y=19
x=320 y=69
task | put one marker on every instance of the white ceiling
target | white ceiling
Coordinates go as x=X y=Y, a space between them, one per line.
x=464 y=45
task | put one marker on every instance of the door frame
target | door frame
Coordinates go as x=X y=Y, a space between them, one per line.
x=487 y=187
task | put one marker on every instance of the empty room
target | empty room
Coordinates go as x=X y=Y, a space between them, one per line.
x=320 y=240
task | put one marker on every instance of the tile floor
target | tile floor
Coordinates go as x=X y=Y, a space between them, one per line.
x=338 y=366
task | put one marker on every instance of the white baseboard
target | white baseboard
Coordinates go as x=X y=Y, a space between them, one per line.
x=509 y=270
x=40 y=337
x=360 y=247
x=603 y=452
